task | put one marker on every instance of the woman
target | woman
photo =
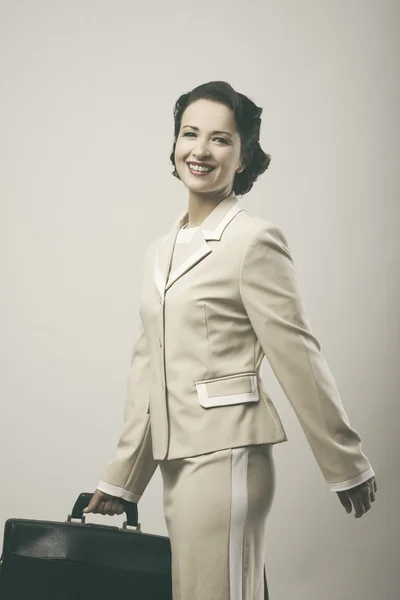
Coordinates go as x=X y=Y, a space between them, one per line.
x=219 y=293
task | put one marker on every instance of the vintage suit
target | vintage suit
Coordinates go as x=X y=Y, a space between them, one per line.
x=209 y=315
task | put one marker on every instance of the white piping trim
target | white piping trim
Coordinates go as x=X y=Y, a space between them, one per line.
x=193 y=258
x=216 y=233
x=346 y=485
x=228 y=399
x=237 y=521
x=158 y=277
x=118 y=492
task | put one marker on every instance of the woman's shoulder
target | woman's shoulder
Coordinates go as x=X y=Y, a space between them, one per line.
x=260 y=227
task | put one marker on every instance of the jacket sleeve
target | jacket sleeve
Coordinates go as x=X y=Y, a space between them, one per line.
x=128 y=474
x=271 y=297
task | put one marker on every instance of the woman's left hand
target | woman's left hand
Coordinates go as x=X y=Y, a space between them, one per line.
x=360 y=497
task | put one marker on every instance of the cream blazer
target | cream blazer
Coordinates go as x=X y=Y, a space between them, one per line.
x=195 y=382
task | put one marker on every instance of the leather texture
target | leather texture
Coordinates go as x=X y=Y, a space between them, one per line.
x=45 y=560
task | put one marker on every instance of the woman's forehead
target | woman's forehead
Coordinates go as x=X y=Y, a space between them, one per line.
x=207 y=114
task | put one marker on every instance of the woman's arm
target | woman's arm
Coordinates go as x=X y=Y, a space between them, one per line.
x=127 y=475
x=270 y=294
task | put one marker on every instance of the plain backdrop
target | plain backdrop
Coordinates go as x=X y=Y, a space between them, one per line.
x=87 y=89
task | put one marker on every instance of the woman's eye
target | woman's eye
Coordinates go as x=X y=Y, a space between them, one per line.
x=223 y=140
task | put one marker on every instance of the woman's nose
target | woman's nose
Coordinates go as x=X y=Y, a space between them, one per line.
x=200 y=149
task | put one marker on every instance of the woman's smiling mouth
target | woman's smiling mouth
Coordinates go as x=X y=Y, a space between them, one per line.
x=198 y=169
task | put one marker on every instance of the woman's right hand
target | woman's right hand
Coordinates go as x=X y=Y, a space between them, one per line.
x=104 y=504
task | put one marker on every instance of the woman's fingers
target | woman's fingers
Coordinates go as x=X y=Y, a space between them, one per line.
x=104 y=504
x=94 y=503
x=361 y=504
x=366 y=500
x=361 y=501
x=121 y=509
x=108 y=507
x=359 y=497
x=118 y=507
x=372 y=494
x=345 y=501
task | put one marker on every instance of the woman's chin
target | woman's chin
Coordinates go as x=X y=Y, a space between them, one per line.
x=196 y=184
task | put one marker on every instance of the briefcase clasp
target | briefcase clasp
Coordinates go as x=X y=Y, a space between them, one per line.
x=71 y=519
x=131 y=528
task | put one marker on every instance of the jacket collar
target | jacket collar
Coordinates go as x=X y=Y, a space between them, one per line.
x=211 y=229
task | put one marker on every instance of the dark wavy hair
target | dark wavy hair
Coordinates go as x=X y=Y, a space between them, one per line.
x=248 y=121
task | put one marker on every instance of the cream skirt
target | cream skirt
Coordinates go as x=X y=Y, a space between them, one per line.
x=216 y=508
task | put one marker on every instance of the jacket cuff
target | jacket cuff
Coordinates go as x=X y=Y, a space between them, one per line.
x=117 y=491
x=350 y=483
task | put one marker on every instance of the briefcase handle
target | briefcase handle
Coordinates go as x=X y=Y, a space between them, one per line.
x=131 y=510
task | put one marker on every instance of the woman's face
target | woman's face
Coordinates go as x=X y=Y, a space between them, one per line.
x=208 y=135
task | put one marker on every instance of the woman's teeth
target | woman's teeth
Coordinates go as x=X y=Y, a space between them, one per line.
x=201 y=169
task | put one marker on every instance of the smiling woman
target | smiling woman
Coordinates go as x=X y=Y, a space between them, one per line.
x=215 y=118
x=220 y=294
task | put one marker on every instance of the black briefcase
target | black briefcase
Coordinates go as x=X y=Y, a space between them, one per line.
x=74 y=560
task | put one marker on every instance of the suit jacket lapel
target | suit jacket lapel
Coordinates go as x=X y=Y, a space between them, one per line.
x=210 y=230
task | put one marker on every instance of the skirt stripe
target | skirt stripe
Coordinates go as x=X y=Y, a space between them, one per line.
x=237 y=521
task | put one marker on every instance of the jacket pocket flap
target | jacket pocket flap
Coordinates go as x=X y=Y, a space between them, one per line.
x=231 y=389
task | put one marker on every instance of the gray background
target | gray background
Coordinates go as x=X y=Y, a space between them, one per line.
x=86 y=95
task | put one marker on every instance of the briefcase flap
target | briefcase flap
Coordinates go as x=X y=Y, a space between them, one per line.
x=70 y=560
x=94 y=544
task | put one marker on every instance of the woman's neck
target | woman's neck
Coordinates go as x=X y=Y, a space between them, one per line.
x=200 y=207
